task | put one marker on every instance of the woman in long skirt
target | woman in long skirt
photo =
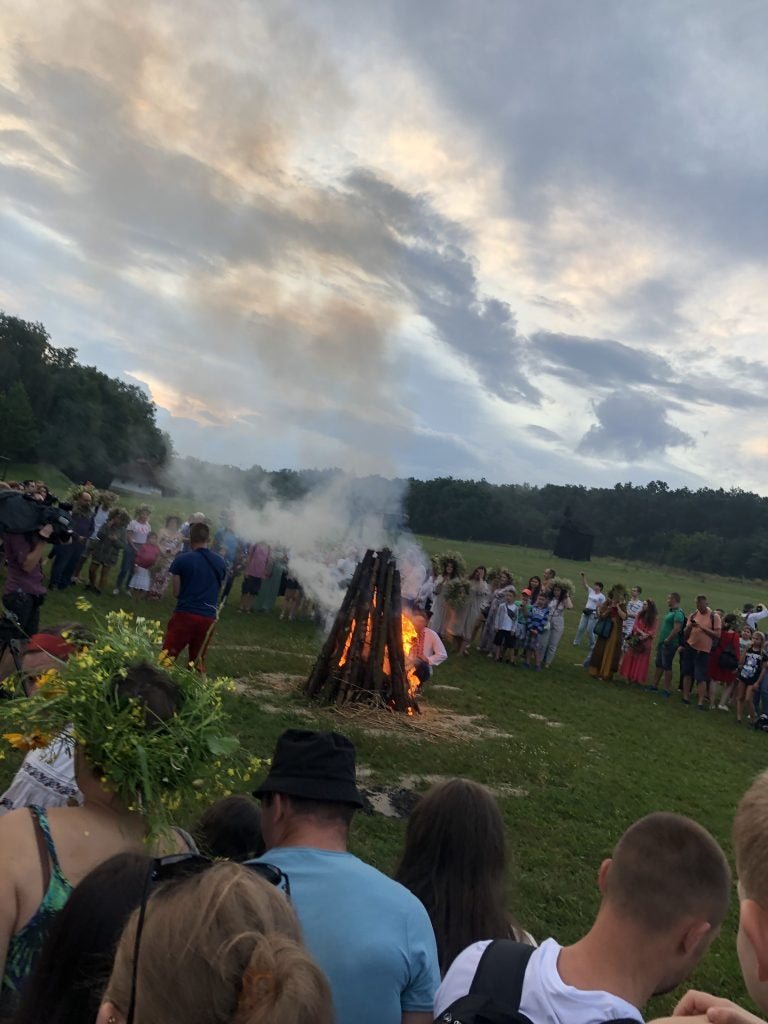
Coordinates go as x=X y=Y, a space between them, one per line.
x=606 y=653
x=467 y=617
x=442 y=614
x=634 y=664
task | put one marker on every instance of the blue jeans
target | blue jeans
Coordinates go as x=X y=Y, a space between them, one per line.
x=126 y=568
x=586 y=624
x=64 y=560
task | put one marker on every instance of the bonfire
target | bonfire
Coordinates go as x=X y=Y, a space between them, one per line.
x=365 y=656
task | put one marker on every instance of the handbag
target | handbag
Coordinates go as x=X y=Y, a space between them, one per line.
x=604 y=627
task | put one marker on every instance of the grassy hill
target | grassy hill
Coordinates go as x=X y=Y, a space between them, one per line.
x=573 y=761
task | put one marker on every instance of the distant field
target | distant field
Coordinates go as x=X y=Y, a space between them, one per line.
x=573 y=761
x=723 y=592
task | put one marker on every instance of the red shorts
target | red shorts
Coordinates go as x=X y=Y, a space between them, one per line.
x=186 y=629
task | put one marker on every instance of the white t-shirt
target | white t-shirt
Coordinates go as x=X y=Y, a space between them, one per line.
x=594 y=599
x=754 y=617
x=546 y=998
x=138 y=532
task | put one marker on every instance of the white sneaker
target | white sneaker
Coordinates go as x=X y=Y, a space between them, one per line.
x=116 y=591
x=723 y=707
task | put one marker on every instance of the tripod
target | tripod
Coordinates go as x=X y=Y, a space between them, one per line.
x=10 y=636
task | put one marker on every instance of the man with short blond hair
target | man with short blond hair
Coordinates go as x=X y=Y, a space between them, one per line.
x=750 y=848
x=665 y=893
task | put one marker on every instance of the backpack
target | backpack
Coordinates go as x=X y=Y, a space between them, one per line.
x=603 y=627
x=497 y=988
x=728 y=660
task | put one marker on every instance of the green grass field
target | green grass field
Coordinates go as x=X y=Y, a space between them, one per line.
x=573 y=760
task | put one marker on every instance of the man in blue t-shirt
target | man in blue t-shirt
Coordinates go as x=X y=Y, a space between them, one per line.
x=197 y=576
x=369 y=934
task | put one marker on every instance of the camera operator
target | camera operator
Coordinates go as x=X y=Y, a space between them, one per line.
x=24 y=590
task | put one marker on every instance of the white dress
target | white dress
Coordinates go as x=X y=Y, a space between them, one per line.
x=46 y=779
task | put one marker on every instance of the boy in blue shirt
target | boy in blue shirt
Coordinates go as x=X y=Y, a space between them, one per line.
x=538 y=618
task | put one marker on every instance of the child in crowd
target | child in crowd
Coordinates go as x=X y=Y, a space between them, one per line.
x=502 y=641
x=538 y=617
x=109 y=543
x=749 y=675
x=522 y=608
x=147 y=555
x=746 y=639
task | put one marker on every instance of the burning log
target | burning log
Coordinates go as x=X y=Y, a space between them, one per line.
x=364 y=658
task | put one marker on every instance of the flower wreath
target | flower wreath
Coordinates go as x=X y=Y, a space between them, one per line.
x=152 y=770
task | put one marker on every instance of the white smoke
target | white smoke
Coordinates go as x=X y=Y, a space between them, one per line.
x=326 y=533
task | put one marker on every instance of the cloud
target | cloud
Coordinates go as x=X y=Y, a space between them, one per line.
x=600 y=363
x=399 y=237
x=631 y=425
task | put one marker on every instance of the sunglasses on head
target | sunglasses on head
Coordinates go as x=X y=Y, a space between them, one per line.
x=176 y=867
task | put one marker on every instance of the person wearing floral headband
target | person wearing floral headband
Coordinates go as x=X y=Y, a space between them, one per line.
x=145 y=734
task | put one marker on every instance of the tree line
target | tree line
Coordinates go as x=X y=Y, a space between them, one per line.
x=707 y=530
x=53 y=409
x=86 y=423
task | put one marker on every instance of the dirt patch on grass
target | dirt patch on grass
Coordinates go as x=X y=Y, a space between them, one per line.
x=264 y=650
x=269 y=684
x=399 y=801
x=434 y=724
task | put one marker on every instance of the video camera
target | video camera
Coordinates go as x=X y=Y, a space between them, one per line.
x=21 y=513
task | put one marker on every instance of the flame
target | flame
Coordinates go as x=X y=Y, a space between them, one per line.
x=409 y=639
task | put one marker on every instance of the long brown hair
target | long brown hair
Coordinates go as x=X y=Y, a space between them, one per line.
x=221 y=947
x=455 y=862
x=649 y=613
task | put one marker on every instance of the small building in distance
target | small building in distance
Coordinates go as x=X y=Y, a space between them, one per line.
x=139 y=477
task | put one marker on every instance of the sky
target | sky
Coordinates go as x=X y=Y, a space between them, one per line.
x=479 y=238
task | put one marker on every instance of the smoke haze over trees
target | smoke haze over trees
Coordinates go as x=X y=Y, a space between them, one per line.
x=706 y=530
x=75 y=417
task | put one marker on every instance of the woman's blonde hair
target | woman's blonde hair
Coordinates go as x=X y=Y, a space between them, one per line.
x=221 y=947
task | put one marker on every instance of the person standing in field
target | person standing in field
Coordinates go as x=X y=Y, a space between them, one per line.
x=559 y=603
x=749 y=675
x=670 y=635
x=723 y=662
x=595 y=597
x=257 y=568
x=634 y=664
x=701 y=634
x=197 y=577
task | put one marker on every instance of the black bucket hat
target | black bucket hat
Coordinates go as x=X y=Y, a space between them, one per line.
x=313 y=765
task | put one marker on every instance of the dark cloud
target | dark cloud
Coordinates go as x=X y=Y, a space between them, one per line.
x=601 y=363
x=440 y=275
x=649 y=103
x=543 y=434
x=631 y=425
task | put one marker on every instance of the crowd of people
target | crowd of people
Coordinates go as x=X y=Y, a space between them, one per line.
x=720 y=655
x=259 y=912
x=114 y=911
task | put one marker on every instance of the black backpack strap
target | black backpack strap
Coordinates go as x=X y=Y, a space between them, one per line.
x=501 y=972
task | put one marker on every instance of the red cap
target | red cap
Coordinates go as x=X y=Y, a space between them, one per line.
x=528 y=593
x=52 y=644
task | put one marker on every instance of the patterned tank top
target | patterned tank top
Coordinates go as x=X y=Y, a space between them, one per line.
x=25 y=945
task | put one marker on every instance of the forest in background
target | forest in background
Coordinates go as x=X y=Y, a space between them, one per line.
x=55 y=410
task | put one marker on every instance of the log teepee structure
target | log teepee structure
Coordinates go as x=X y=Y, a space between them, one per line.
x=363 y=657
